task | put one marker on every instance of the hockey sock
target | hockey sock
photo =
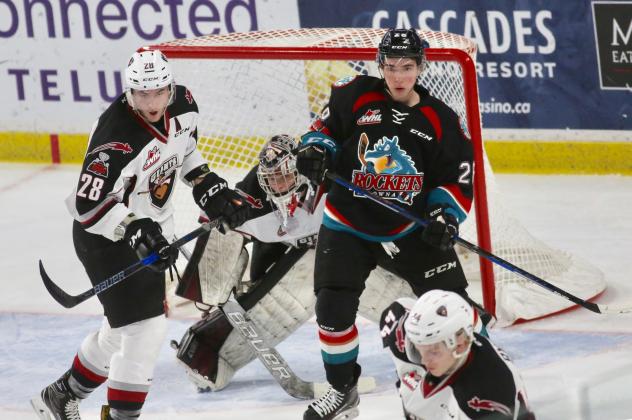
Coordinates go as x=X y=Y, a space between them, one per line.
x=339 y=351
x=118 y=414
x=126 y=404
x=83 y=380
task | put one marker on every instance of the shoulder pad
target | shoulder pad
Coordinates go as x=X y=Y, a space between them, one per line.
x=345 y=81
x=183 y=101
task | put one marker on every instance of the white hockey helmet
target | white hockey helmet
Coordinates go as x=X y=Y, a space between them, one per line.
x=278 y=176
x=147 y=70
x=439 y=316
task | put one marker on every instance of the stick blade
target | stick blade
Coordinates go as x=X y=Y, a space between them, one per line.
x=616 y=309
x=63 y=298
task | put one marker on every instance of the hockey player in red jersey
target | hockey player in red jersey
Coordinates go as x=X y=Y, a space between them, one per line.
x=123 y=212
x=445 y=369
x=391 y=137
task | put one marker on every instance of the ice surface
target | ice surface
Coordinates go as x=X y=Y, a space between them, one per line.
x=577 y=365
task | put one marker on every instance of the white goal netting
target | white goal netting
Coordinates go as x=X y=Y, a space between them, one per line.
x=251 y=86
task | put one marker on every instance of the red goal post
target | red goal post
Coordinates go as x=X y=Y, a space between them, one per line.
x=270 y=60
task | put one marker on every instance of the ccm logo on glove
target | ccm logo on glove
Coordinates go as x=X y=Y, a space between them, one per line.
x=212 y=191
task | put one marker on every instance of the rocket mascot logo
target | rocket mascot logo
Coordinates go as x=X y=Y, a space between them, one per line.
x=387 y=170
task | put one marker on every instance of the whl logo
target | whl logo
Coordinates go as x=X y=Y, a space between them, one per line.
x=371 y=116
x=153 y=156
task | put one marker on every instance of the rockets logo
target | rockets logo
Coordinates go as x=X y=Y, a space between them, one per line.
x=153 y=156
x=255 y=203
x=99 y=165
x=387 y=170
x=477 y=404
x=113 y=145
x=371 y=116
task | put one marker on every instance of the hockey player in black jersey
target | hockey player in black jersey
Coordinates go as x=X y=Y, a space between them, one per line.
x=445 y=369
x=282 y=225
x=391 y=137
x=123 y=212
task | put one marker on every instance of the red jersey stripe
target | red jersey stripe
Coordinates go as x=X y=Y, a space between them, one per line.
x=432 y=116
x=456 y=192
x=367 y=98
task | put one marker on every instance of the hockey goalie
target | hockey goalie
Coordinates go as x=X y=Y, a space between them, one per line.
x=275 y=245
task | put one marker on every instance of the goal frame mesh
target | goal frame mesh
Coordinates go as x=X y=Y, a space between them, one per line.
x=347 y=44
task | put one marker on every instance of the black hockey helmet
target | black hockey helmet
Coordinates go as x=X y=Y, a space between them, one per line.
x=401 y=43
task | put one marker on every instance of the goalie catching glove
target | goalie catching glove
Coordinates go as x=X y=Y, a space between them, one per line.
x=217 y=200
x=145 y=237
x=441 y=229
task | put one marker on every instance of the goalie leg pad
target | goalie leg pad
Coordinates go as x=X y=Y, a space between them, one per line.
x=212 y=351
x=381 y=289
x=278 y=313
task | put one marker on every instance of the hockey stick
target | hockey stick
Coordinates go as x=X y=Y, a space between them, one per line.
x=68 y=301
x=270 y=357
x=594 y=307
x=274 y=362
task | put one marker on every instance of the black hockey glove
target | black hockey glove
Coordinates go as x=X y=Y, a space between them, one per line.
x=313 y=161
x=145 y=237
x=441 y=229
x=217 y=200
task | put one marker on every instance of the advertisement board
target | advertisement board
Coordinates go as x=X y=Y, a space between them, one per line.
x=540 y=64
x=62 y=61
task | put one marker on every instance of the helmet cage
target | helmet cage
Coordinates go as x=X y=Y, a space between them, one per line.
x=278 y=176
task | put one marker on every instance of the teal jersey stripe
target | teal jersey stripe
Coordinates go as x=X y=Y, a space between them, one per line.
x=335 y=225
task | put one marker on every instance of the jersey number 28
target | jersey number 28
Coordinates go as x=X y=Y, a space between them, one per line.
x=93 y=183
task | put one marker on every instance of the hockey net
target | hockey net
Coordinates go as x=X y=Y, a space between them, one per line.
x=250 y=86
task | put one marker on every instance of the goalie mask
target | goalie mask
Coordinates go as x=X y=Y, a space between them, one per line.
x=439 y=316
x=280 y=180
x=148 y=70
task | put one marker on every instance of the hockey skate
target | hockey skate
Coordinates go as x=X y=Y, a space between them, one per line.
x=334 y=405
x=57 y=401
